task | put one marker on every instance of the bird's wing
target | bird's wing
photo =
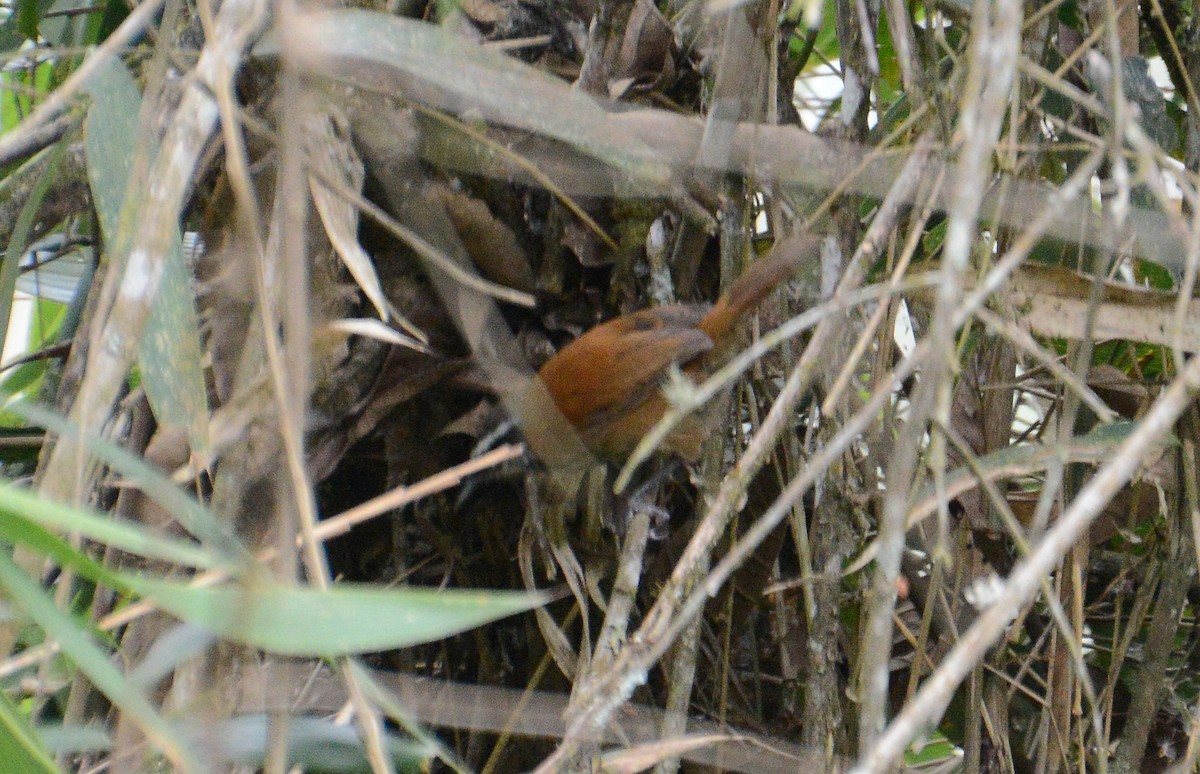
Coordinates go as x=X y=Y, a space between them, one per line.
x=626 y=360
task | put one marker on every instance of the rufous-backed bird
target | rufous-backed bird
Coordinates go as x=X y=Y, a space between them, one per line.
x=607 y=384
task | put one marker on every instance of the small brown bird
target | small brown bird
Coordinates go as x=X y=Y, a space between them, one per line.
x=608 y=383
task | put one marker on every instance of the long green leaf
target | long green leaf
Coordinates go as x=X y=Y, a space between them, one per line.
x=29 y=535
x=169 y=354
x=187 y=511
x=29 y=16
x=93 y=662
x=20 y=748
x=124 y=535
x=313 y=744
x=344 y=620
x=72 y=740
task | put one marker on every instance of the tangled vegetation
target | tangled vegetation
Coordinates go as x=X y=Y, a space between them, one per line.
x=289 y=485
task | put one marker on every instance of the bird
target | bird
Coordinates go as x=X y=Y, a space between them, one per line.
x=607 y=383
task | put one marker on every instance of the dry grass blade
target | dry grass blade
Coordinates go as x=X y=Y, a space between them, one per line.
x=331 y=154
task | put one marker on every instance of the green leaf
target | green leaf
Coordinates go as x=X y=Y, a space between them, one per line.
x=115 y=12
x=10 y=37
x=187 y=511
x=313 y=744
x=72 y=740
x=76 y=645
x=346 y=619
x=29 y=535
x=20 y=747
x=169 y=355
x=23 y=377
x=937 y=750
x=1154 y=275
x=125 y=535
x=29 y=16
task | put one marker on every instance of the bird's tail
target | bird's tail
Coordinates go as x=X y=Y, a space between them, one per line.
x=757 y=282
